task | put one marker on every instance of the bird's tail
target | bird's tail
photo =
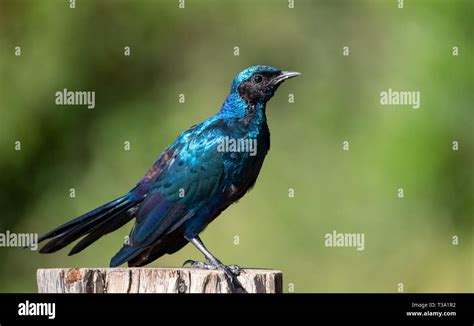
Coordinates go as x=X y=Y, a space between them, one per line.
x=95 y=224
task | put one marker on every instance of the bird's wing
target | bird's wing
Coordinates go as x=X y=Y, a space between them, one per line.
x=191 y=175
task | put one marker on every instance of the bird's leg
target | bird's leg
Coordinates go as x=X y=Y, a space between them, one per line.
x=213 y=263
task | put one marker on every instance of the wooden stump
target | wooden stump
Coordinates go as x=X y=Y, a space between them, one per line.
x=153 y=280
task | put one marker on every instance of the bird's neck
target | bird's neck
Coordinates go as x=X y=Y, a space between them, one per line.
x=235 y=107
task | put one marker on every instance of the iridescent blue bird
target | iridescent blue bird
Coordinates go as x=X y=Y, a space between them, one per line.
x=191 y=183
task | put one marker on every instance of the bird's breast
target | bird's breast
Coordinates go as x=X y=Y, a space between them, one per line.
x=243 y=162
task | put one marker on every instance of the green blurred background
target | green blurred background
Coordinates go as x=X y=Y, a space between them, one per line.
x=191 y=51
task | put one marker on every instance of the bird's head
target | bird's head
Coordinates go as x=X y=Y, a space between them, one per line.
x=257 y=84
x=252 y=88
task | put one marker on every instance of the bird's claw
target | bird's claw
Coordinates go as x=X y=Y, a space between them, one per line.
x=230 y=271
x=235 y=269
x=199 y=264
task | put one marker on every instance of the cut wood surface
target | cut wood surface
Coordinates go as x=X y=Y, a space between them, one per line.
x=154 y=280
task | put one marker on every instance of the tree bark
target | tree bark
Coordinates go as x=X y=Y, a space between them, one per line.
x=154 y=280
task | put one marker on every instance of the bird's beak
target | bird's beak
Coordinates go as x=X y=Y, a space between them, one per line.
x=284 y=75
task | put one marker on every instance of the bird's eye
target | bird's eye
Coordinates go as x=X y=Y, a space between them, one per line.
x=258 y=78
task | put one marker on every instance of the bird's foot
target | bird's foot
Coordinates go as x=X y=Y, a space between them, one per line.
x=231 y=271
x=200 y=264
x=234 y=269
